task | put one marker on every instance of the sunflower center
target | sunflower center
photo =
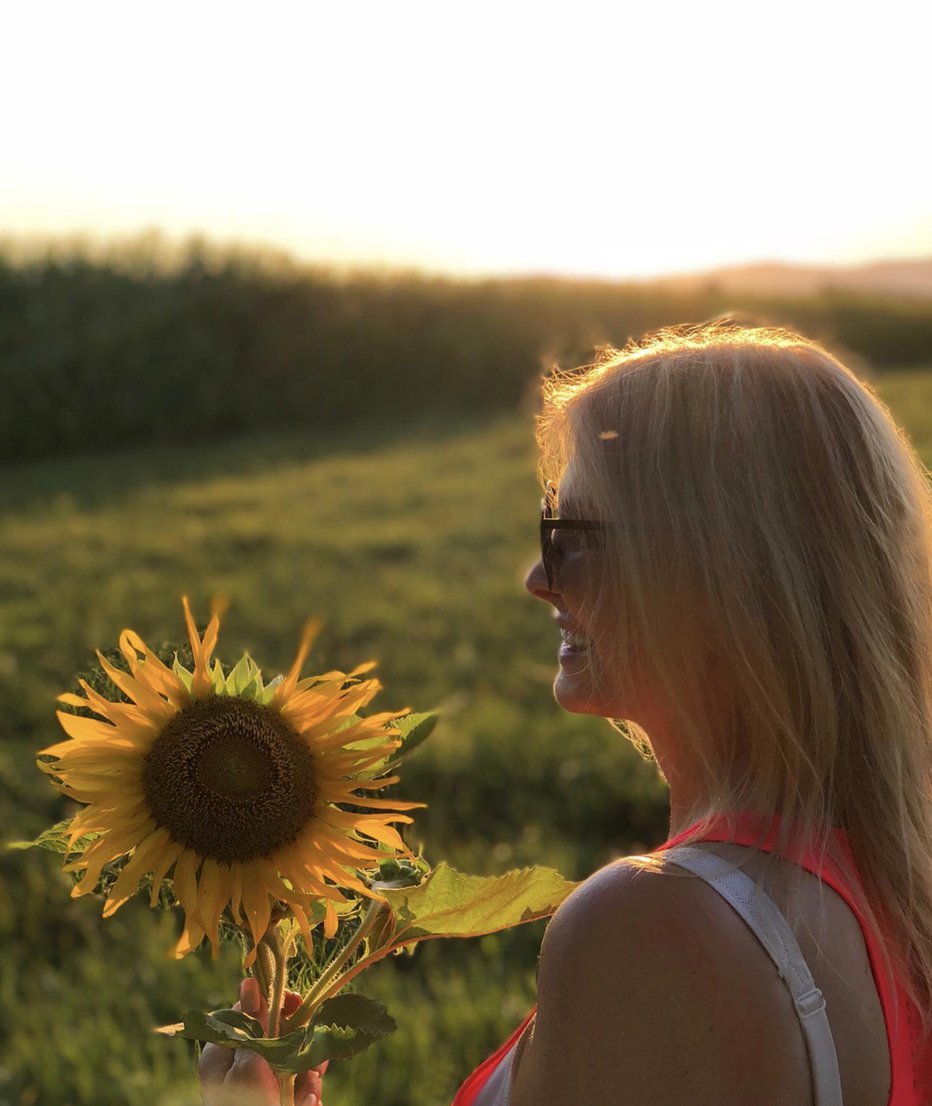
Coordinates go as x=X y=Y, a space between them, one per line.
x=228 y=778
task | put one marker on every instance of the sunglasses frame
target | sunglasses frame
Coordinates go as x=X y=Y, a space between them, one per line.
x=547 y=526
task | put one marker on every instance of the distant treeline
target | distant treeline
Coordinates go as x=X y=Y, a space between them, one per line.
x=97 y=353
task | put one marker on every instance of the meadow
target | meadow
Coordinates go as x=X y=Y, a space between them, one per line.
x=411 y=540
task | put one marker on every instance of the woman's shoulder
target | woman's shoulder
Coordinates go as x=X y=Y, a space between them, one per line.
x=647 y=983
x=627 y=891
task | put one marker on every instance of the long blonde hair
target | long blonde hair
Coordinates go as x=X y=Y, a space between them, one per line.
x=747 y=473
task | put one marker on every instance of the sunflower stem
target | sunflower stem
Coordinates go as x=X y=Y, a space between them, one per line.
x=265 y=968
x=325 y=985
x=282 y=949
x=286 y=1089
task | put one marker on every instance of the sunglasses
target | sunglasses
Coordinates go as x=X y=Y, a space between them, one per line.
x=549 y=522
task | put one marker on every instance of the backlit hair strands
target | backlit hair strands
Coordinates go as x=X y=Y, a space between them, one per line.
x=770 y=522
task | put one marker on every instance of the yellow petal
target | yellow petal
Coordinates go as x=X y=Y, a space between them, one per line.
x=212 y=894
x=193 y=635
x=201 y=685
x=305 y=927
x=236 y=891
x=153 y=670
x=132 y=723
x=286 y=688
x=76 y=750
x=191 y=937
x=154 y=705
x=84 y=729
x=185 y=881
x=137 y=866
x=170 y=853
x=256 y=902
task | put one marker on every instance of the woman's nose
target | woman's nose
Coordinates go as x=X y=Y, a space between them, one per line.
x=536 y=583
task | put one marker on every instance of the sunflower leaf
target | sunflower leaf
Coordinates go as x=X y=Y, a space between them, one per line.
x=413 y=729
x=186 y=677
x=230 y=1028
x=341 y=1027
x=449 y=903
x=55 y=839
x=267 y=693
x=241 y=676
x=217 y=679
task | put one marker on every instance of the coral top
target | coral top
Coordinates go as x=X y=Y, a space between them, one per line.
x=911 y=1074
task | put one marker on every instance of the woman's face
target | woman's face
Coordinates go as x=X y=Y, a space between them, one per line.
x=582 y=685
x=586 y=683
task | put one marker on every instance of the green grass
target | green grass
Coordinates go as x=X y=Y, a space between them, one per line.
x=411 y=542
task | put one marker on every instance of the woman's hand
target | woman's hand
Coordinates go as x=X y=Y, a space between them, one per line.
x=240 y=1077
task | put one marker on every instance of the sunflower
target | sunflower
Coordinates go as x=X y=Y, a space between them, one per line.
x=234 y=788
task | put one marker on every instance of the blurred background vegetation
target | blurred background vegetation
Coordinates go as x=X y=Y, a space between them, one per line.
x=354 y=446
x=143 y=345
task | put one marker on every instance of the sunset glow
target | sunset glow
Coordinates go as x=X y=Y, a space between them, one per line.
x=508 y=137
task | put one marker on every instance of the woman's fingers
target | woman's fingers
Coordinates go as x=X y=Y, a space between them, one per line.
x=231 y=1076
x=213 y=1065
x=252 y=1002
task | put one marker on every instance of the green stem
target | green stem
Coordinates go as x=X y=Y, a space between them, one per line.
x=324 y=986
x=286 y=1089
x=281 y=950
x=264 y=968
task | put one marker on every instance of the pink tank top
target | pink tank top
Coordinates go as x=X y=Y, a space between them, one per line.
x=910 y=1076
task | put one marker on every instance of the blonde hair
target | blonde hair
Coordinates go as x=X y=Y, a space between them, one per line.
x=765 y=510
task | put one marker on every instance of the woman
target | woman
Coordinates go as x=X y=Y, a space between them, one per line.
x=736 y=544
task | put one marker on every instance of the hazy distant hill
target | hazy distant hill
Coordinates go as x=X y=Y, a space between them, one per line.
x=912 y=278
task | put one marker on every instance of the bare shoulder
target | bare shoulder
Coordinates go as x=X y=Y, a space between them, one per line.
x=648 y=993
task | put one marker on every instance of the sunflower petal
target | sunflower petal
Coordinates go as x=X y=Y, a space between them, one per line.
x=84 y=729
x=299 y=913
x=191 y=937
x=154 y=705
x=212 y=894
x=184 y=878
x=138 y=865
x=236 y=891
x=170 y=853
x=132 y=723
x=256 y=903
x=202 y=685
x=154 y=670
x=286 y=688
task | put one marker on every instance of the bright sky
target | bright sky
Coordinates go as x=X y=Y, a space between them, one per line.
x=613 y=138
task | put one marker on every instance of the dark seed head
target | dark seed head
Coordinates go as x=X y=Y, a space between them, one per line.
x=228 y=778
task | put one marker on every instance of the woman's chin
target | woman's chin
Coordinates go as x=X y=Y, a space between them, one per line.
x=576 y=694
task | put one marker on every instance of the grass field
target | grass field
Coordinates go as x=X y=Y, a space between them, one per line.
x=411 y=542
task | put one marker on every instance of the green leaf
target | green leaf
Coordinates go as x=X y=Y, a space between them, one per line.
x=341 y=1027
x=186 y=677
x=400 y=872
x=241 y=676
x=217 y=679
x=55 y=839
x=229 y=1028
x=449 y=903
x=267 y=693
x=414 y=729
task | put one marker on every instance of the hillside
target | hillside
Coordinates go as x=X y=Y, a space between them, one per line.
x=910 y=278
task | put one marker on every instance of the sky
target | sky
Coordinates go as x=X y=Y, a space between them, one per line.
x=610 y=139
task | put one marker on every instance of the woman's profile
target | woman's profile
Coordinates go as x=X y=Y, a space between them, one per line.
x=736 y=543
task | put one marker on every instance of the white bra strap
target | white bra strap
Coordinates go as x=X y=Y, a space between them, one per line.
x=773 y=931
